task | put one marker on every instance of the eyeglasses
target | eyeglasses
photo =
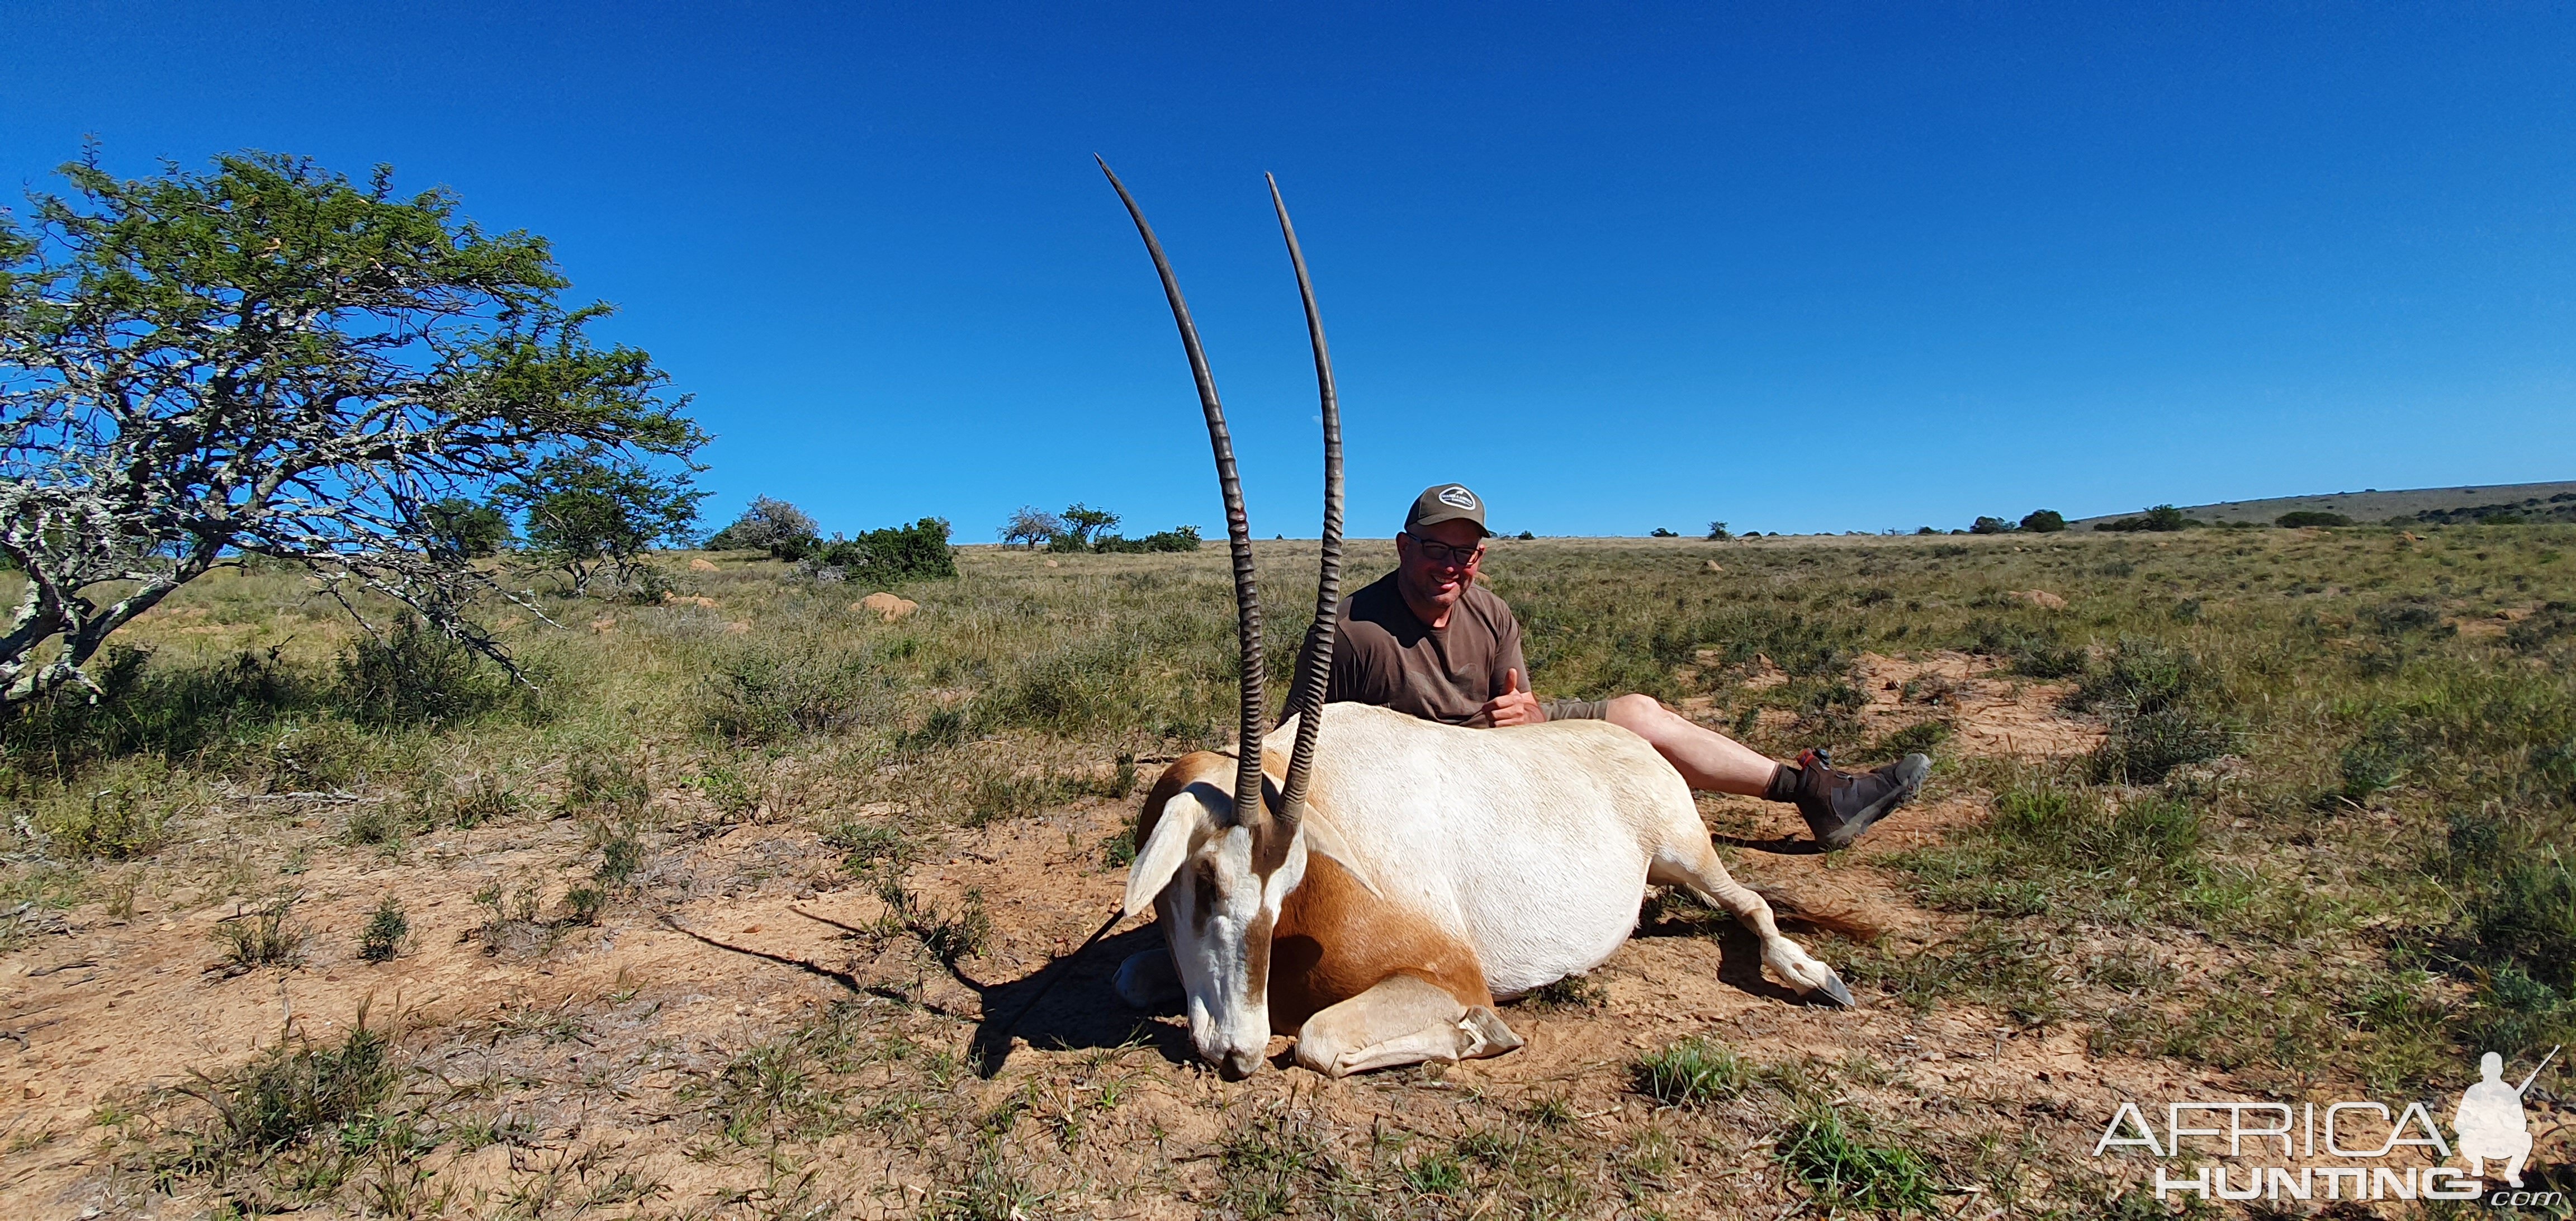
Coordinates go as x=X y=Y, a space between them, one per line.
x=1442 y=553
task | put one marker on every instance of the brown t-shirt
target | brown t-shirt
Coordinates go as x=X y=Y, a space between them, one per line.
x=1385 y=655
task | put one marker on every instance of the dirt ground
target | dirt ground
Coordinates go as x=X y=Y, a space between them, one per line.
x=599 y=1048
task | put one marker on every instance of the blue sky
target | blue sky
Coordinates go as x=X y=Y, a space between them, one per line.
x=1797 y=267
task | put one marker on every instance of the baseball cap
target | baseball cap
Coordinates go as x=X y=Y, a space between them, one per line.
x=1446 y=502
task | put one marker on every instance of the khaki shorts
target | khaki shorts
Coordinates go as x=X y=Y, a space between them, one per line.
x=1575 y=710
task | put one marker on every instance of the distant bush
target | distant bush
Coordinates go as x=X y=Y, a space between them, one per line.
x=1660 y=532
x=1525 y=536
x=465 y=529
x=1990 y=525
x=775 y=526
x=1076 y=526
x=2310 y=517
x=2160 y=519
x=1029 y=526
x=1717 y=532
x=2044 y=521
x=917 y=552
x=1178 y=538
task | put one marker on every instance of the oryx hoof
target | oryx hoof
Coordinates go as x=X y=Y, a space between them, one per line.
x=1831 y=989
x=1482 y=1033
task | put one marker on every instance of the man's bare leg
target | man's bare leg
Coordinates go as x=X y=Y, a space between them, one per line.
x=1709 y=760
x=1837 y=805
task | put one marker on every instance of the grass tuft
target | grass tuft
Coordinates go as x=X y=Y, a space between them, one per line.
x=1694 y=1072
x=1836 y=1157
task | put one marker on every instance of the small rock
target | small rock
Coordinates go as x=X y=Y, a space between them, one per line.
x=738 y=626
x=1714 y=566
x=702 y=565
x=2040 y=598
x=671 y=599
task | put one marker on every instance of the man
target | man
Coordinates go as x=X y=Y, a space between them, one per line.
x=1426 y=640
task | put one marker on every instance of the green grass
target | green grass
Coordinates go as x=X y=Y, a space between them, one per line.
x=1693 y=1072
x=1847 y=1165
x=2328 y=759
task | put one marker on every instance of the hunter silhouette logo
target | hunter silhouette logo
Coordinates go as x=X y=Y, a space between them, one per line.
x=1458 y=498
x=2344 y=1150
x=2490 y=1120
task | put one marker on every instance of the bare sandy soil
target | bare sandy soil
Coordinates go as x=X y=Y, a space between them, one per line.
x=600 y=1050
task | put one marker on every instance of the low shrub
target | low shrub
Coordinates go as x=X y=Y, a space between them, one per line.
x=2310 y=517
x=773 y=692
x=917 y=552
x=601 y=784
x=415 y=674
x=130 y=812
x=2044 y=521
x=2038 y=652
x=2399 y=616
x=2379 y=758
x=385 y=931
x=2155 y=698
x=261 y=936
x=290 y=1095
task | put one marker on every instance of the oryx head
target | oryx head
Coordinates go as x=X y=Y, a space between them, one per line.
x=1217 y=865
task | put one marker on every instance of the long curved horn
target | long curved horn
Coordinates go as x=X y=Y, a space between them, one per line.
x=1248 y=806
x=1315 y=659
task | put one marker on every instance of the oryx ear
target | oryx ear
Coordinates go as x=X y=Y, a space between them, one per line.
x=1324 y=839
x=1160 y=856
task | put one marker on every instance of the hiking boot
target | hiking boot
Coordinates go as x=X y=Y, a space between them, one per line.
x=1839 y=805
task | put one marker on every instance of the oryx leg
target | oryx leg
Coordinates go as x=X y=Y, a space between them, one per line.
x=1148 y=980
x=1403 y=1019
x=1693 y=865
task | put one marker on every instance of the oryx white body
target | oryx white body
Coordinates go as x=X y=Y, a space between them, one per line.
x=1530 y=844
x=1373 y=889
x=1482 y=862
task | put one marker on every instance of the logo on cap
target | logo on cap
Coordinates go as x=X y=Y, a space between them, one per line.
x=1458 y=498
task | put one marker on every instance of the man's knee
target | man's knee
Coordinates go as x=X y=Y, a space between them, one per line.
x=1642 y=715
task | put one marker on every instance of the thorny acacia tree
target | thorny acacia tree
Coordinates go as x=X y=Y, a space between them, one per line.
x=587 y=516
x=269 y=359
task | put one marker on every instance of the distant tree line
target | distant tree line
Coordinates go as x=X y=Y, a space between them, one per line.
x=1081 y=528
x=918 y=551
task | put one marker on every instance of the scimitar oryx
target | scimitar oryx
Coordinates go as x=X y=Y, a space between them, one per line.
x=1378 y=887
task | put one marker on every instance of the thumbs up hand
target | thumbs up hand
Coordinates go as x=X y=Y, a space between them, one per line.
x=1515 y=706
